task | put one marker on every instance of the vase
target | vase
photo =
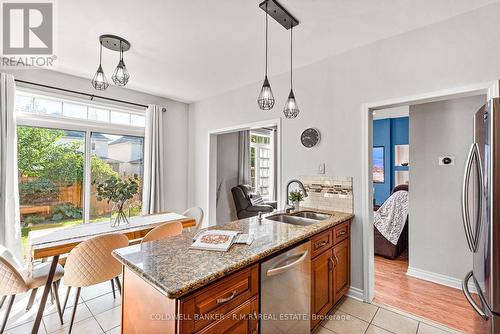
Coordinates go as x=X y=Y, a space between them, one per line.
x=119 y=214
x=296 y=205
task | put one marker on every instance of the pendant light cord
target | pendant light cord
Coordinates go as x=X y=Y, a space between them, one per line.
x=291 y=58
x=266 y=36
x=100 y=53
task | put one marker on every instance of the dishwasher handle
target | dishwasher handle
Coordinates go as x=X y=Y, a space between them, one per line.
x=276 y=270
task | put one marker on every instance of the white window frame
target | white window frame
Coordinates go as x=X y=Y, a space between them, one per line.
x=270 y=147
x=82 y=125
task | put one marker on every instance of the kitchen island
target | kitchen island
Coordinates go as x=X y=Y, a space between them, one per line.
x=170 y=288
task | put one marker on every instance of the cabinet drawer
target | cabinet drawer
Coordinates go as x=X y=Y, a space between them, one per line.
x=321 y=242
x=213 y=302
x=340 y=232
x=242 y=320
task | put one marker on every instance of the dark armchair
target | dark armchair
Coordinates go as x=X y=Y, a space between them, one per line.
x=242 y=195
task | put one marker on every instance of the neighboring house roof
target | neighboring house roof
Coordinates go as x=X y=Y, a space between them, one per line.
x=127 y=140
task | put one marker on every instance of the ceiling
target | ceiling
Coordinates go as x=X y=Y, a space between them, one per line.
x=192 y=49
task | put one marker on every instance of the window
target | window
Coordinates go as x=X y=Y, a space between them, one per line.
x=65 y=146
x=261 y=163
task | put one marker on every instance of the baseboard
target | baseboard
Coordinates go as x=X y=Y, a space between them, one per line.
x=355 y=293
x=438 y=278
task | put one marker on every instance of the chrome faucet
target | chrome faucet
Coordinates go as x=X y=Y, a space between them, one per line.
x=288 y=207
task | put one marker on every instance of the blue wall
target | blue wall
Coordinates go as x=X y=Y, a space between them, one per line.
x=389 y=132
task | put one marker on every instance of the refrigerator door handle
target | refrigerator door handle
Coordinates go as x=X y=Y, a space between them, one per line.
x=472 y=302
x=472 y=238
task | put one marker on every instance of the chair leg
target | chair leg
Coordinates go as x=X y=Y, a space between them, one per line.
x=113 y=288
x=58 y=304
x=75 y=305
x=6 y=317
x=66 y=299
x=32 y=299
x=119 y=285
x=2 y=301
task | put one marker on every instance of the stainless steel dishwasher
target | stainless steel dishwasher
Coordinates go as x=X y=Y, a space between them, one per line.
x=286 y=292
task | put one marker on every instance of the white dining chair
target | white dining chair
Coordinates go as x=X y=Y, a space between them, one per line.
x=16 y=279
x=196 y=213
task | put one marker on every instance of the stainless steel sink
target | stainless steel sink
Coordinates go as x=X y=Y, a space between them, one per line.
x=312 y=215
x=294 y=220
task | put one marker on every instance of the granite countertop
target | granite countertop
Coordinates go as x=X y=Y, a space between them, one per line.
x=176 y=270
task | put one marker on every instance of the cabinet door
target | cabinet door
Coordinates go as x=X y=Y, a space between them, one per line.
x=342 y=270
x=322 y=286
x=242 y=320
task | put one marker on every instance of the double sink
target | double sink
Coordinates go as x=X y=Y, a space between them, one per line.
x=303 y=218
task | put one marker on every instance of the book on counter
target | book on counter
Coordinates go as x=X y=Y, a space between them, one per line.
x=216 y=240
x=219 y=240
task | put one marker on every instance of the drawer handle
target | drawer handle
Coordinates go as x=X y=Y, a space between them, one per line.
x=225 y=300
x=341 y=233
x=320 y=244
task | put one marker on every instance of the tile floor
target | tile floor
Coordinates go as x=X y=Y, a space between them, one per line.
x=355 y=317
x=98 y=312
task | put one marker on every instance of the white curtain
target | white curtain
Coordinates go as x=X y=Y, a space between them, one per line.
x=154 y=189
x=244 y=157
x=10 y=227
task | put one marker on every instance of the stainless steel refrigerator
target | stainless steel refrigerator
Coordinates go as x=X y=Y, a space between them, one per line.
x=481 y=216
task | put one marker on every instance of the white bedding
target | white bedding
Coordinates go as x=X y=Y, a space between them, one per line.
x=390 y=218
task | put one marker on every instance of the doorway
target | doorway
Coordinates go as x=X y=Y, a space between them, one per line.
x=401 y=271
x=228 y=167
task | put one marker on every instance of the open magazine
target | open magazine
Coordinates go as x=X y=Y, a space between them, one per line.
x=219 y=240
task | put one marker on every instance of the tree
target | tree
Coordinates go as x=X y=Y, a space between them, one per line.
x=44 y=153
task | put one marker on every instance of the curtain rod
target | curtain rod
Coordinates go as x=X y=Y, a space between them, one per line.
x=92 y=96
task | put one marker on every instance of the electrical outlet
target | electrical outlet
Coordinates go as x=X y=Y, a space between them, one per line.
x=447 y=160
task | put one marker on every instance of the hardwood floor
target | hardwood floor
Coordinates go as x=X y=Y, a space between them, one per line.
x=425 y=299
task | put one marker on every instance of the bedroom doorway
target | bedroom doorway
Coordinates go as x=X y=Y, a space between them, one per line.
x=418 y=154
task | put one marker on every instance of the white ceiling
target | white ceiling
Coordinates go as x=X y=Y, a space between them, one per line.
x=193 y=49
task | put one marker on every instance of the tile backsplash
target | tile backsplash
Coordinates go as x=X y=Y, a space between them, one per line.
x=328 y=193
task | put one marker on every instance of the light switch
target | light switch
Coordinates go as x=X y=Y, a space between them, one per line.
x=321 y=168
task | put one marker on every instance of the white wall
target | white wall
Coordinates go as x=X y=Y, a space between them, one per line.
x=176 y=150
x=227 y=175
x=330 y=93
x=437 y=241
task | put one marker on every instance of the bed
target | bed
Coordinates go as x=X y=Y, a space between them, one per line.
x=384 y=247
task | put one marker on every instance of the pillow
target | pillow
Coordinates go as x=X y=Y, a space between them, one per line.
x=256 y=199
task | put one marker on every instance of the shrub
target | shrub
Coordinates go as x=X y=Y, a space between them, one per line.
x=40 y=190
x=66 y=211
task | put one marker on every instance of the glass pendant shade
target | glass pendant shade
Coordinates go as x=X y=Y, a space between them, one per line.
x=99 y=80
x=291 y=110
x=120 y=75
x=266 y=97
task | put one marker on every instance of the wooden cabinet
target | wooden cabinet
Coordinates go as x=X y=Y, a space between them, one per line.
x=342 y=269
x=242 y=320
x=330 y=270
x=322 y=295
x=214 y=304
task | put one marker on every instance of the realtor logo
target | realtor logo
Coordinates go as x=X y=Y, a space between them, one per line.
x=27 y=28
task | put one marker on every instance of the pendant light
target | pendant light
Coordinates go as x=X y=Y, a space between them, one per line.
x=120 y=75
x=266 y=97
x=99 y=80
x=291 y=110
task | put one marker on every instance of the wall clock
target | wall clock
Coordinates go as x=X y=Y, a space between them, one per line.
x=310 y=137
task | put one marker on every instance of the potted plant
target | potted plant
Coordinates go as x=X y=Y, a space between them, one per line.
x=296 y=197
x=119 y=192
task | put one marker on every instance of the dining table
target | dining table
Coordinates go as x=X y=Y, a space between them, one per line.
x=56 y=242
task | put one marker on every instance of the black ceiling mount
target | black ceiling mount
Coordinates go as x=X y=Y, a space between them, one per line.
x=115 y=43
x=280 y=14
